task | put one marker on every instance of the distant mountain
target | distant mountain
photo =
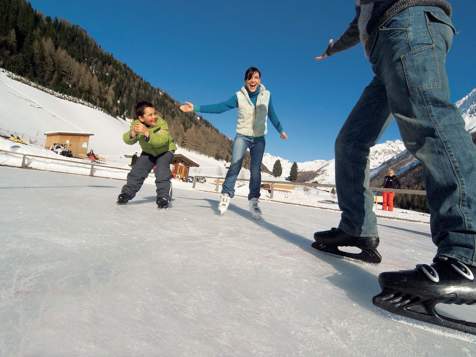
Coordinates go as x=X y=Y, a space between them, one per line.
x=391 y=154
x=322 y=171
x=409 y=169
x=467 y=106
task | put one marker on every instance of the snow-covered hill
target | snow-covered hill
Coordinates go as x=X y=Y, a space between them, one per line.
x=29 y=112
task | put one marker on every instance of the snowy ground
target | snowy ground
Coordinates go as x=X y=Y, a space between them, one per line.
x=80 y=276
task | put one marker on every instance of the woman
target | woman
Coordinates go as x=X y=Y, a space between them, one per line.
x=254 y=105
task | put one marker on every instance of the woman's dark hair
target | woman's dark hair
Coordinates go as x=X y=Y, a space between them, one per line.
x=250 y=71
x=140 y=108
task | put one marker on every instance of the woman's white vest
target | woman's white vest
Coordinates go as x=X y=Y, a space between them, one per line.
x=252 y=119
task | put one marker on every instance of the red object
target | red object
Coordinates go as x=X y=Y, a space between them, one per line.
x=387 y=204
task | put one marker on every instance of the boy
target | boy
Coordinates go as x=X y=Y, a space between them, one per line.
x=158 y=148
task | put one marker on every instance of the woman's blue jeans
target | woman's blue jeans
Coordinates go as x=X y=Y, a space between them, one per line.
x=256 y=147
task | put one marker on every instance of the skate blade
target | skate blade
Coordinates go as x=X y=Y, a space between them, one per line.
x=221 y=213
x=411 y=307
x=367 y=255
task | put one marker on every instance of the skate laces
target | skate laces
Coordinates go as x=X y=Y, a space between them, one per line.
x=431 y=273
x=225 y=199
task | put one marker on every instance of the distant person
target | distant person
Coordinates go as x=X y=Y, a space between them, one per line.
x=158 y=148
x=255 y=105
x=390 y=181
x=92 y=156
x=407 y=44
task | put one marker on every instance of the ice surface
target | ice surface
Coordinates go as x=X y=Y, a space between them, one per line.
x=81 y=276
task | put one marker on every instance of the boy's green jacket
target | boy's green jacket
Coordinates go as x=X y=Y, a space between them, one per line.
x=160 y=140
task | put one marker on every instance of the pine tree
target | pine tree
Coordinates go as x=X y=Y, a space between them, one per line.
x=277 y=168
x=294 y=172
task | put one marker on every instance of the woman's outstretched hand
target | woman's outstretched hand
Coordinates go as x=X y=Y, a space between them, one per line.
x=187 y=107
x=324 y=56
x=283 y=135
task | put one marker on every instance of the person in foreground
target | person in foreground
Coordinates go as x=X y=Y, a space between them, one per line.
x=254 y=107
x=158 y=148
x=407 y=42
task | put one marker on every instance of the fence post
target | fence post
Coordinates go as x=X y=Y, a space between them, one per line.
x=194 y=185
x=91 y=172
x=23 y=161
x=272 y=190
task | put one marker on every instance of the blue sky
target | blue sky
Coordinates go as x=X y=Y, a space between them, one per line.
x=198 y=51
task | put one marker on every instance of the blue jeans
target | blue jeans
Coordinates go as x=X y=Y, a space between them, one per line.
x=408 y=56
x=240 y=144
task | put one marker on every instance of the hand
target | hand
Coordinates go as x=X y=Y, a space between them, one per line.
x=324 y=56
x=140 y=128
x=321 y=57
x=187 y=107
x=283 y=136
x=132 y=133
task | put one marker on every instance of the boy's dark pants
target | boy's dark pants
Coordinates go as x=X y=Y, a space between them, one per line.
x=141 y=169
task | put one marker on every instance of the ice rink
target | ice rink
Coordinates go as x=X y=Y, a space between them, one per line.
x=81 y=276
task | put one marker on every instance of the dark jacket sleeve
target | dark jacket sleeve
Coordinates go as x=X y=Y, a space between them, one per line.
x=397 y=183
x=349 y=38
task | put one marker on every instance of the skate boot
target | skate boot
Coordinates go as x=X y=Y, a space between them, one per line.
x=254 y=208
x=123 y=198
x=330 y=241
x=162 y=203
x=416 y=293
x=224 y=203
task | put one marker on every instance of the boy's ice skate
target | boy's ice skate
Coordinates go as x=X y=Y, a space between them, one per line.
x=254 y=208
x=224 y=203
x=330 y=241
x=416 y=293
x=123 y=198
x=163 y=203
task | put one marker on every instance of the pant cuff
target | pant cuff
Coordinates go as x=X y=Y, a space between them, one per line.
x=464 y=255
x=231 y=194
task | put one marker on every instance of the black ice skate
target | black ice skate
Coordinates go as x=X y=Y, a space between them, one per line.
x=330 y=241
x=415 y=293
x=123 y=198
x=162 y=203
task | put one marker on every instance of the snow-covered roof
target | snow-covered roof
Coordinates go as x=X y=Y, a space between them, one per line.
x=67 y=133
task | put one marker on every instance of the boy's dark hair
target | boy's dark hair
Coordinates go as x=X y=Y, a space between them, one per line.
x=140 y=108
x=250 y=71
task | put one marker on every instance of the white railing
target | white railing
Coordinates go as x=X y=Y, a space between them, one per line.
x=274 y=184
x=90 y=168
x=93 y=168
